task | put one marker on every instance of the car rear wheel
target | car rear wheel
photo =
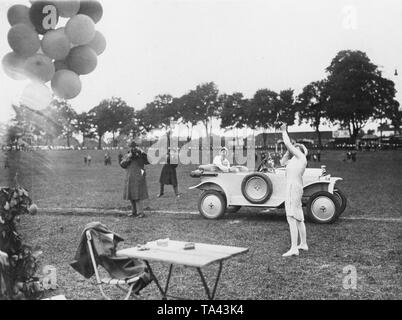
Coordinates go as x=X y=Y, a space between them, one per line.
x=340 y=196
x=212 y=204
x=323 y=207
x=232 y=209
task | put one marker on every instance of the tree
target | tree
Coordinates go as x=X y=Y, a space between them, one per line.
x=234 y=110
x=355 y=87
x=387 y=108
x=286 y=107
x=134 y=127
x=84 y=126
x=111 y=115
x=37 y=122
x=312 y=105
x=100 y=119
x=121 y=116
x=263 y=111
x=66 y=116
x=184 y=114
x=202 y=105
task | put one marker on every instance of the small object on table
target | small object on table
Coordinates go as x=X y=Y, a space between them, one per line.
x=162 y=242
x=189 y=246
x=142 y=247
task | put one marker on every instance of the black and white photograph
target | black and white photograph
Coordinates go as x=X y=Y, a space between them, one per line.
x=199 y=150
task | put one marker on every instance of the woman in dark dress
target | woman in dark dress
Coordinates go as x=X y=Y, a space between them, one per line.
x=135 y=185
x=168 y=175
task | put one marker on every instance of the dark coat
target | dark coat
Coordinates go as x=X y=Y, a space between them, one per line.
x=168 y=174
x=135 y=184
x=105 y=254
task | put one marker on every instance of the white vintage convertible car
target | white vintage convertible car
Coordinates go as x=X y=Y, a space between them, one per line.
x=228 y=192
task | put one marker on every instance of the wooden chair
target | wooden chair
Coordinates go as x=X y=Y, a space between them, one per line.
x=125 y=285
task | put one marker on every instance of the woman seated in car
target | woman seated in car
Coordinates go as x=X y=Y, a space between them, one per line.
x=221 y=163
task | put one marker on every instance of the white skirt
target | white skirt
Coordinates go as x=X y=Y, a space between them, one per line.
x=293 y=202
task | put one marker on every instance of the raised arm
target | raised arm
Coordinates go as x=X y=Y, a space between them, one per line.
x=291 y=148
x=285 y=158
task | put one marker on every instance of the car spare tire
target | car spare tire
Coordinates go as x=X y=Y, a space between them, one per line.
x=257 y=188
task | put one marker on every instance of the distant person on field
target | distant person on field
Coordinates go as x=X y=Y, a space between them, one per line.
x=296 y=162
x=108 y=159
x=85 y=160
x=89 y=159
x=318 y=155
x=353 y=156
x=168 y=174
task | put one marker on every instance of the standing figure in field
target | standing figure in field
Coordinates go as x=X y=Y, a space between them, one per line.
x=318 y=155
x=135 y=186
x=89 y=159
x=296 y=162
x=168 y=174
x=108 y=159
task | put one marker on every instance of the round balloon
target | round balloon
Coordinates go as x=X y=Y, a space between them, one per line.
x=66 y=84
x=82 y=60
x=44 y=16
x=39 y=67
x=55 y=44
x=13 y=66
x=92 y=9
x=60 y=65
x=80 y=29
x=98 y=43
x=23 y=40
x=36 y=95
x=67 y=9
x=19 y=13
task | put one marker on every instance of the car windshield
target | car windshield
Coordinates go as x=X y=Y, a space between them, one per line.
x=269 y=160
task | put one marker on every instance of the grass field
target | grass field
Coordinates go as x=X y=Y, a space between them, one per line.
x=59 y=179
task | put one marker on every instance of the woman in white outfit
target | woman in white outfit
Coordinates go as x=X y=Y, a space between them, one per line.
x=296 y=162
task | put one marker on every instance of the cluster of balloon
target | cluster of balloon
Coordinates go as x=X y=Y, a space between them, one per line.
x=43 y=51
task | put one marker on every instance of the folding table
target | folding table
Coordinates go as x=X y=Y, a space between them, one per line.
x=174 y=254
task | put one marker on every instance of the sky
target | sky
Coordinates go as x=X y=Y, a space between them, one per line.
x=170 y=46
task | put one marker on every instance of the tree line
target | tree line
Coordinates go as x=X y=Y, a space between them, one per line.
x=352 y=93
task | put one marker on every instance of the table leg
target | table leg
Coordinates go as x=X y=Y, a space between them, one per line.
x=161 y=290
x=204 y=282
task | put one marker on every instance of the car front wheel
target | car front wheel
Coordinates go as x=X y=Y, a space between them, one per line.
x=212 y=204
x=323 y=207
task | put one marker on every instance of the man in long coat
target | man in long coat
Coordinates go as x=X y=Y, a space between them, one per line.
x=135 y=185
